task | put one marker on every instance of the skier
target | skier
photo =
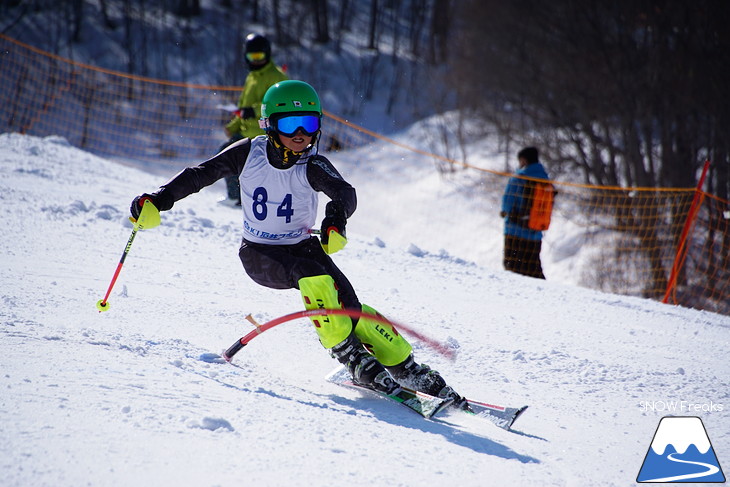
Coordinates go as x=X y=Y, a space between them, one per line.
x=280 y=175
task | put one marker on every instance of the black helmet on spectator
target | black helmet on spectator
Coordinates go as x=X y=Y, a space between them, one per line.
x=257 y=51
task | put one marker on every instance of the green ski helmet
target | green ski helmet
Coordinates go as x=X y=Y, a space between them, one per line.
x=288 y=107
x=290 y=97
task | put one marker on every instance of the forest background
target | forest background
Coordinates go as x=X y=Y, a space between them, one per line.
x=614 y=93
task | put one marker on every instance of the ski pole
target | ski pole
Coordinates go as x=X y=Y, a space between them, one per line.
x=149 y=217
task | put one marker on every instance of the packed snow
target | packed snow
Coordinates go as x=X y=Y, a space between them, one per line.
x=137 y=396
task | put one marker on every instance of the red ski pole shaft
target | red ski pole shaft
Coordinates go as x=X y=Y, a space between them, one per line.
x=149 y=217
x=102 y=305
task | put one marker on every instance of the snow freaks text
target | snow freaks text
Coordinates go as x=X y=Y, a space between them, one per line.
x=678 y=406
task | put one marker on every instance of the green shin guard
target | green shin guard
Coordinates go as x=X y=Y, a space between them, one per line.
x=319 y=292
x=382 y=340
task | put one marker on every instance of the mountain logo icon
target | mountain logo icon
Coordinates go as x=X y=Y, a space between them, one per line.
x=680 y=452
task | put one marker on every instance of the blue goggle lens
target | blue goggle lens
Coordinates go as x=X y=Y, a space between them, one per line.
x=309 y=124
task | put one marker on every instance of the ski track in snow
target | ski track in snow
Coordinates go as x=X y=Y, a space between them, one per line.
x=134 y=395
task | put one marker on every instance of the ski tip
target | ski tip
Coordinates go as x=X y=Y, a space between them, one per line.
x=519 y=413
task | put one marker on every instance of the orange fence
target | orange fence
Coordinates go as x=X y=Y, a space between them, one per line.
x=115 y=114
x=634 y=233
x=637 y=233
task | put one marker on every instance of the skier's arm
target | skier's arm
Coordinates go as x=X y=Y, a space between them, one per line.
x=228 y=162
x=324 y=177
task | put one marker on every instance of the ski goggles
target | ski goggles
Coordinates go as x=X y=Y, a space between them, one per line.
x=255 y=57
x=291 y=124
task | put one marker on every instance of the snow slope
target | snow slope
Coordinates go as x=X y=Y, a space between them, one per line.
x=129 y=397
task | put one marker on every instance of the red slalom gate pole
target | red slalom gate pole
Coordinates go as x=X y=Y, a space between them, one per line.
x=243 y=341
x=691 y=216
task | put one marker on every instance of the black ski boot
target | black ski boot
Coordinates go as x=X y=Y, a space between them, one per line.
x=422 y=378
x=364 y=368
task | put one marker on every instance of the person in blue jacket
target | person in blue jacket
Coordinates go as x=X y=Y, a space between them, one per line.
x=522 y=245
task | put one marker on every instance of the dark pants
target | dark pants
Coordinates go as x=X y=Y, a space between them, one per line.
x=233 y=186
x=523 y=256
x=281 y=267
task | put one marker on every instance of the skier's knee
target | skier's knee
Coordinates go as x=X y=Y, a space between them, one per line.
x=319 y=292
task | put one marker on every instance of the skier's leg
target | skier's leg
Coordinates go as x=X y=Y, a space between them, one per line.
x=382 y=339
x=268 y=265
x=313 y=261
x=322 y=284
x=320 y=292
x=335 y=333
x=393 y=350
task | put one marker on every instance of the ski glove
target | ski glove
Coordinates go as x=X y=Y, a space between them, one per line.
x=247 y=113
x=161 y=201
x=334 y=219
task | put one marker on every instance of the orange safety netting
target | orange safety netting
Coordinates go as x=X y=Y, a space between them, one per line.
x=649 y=242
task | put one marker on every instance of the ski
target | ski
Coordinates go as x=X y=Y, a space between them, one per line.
x=502 y=416
x=427 y=406
x=423 y=404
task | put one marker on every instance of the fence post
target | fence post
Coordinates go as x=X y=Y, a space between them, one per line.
x=679 y=257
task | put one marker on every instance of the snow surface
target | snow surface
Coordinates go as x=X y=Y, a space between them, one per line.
x=134 y=396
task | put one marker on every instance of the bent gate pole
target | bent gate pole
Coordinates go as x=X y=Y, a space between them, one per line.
x=243 y=341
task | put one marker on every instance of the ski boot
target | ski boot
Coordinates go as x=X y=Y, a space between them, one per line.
x=422 y=378
x=364 y=368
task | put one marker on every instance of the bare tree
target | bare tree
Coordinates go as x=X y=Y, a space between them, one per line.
x=321 y=21
x=626 y=93
x=108 y=22
x=630 y=88
x=77 y=19
x=188 y=8
x=441 y=13
x=372 y=31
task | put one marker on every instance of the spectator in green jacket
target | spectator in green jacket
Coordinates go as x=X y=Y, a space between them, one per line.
x=263 y=73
